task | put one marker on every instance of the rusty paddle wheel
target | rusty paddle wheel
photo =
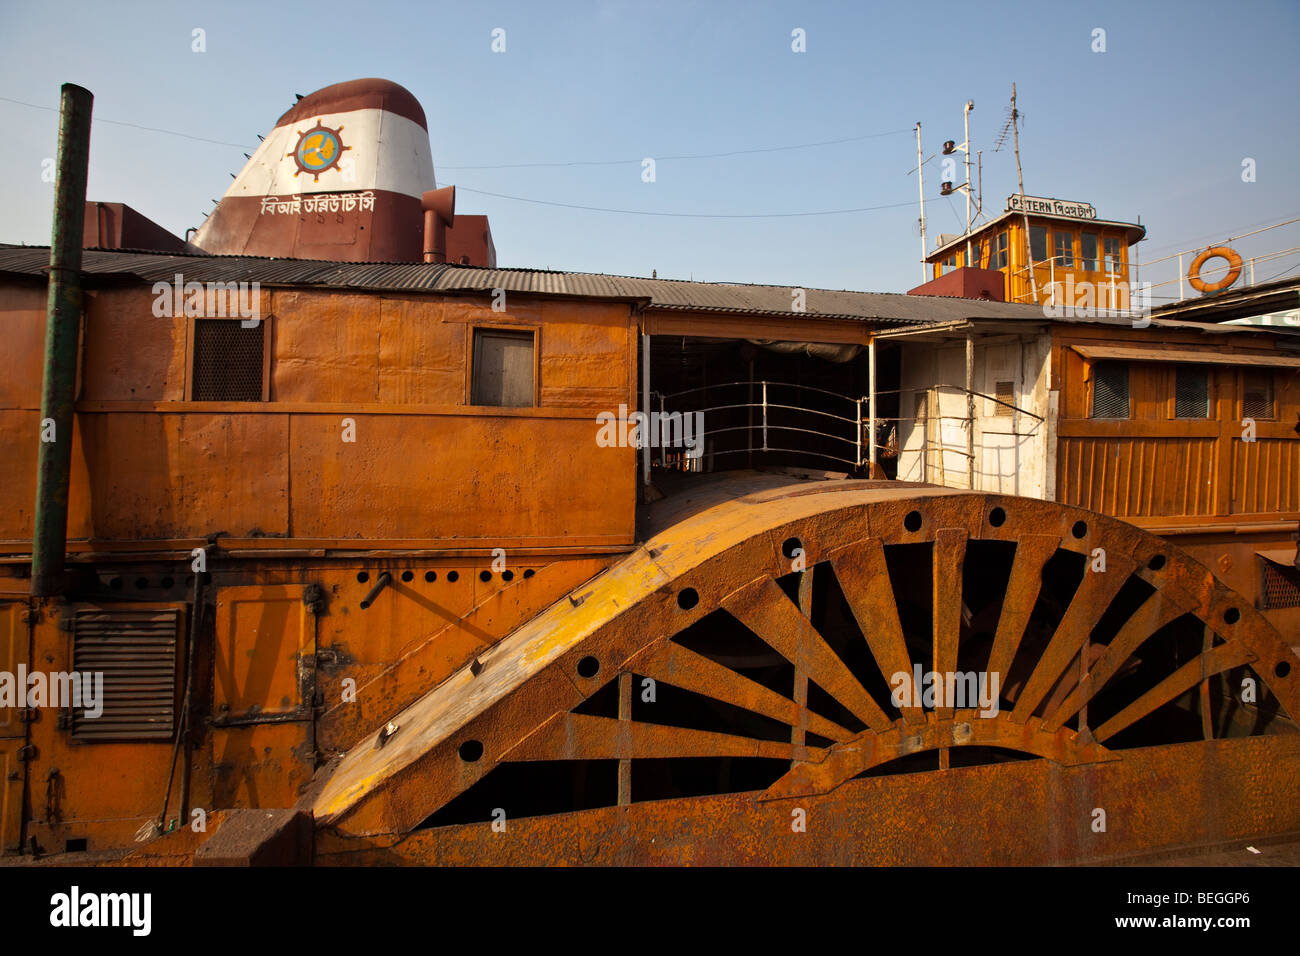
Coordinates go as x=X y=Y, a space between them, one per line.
x=731 y=693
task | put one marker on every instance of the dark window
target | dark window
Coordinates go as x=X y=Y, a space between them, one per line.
x=1038 y=243
x=1063 y=248
x=1114 y=255
x=503 y=368
x=1257 y=395
x=1191 y=392
x=229 y=361
x=1110 y=390
x=1088 y=251
x=1000 y=252
x=947 y=265
x=135 y=651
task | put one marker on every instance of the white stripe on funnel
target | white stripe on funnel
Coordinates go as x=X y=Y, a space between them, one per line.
x=387 y=152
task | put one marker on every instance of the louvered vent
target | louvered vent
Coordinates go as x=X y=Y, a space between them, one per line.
x=1191 y=392
x=228 y=361
x=1281 y=586
x=1110 y=390
x=136 y=653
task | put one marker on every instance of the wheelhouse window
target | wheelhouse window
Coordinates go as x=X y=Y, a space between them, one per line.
x=1000 y=258
x=1191 y=391
x=1257 y=394
x=1110 y=396
x=1038 y=243
x=1114 y=254
x=502 y=370
x=1088 y=252
x=1063 y=248
x=948 y=264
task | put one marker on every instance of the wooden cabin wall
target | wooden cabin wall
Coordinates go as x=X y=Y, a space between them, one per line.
x=426 y=468
x=1156 y=466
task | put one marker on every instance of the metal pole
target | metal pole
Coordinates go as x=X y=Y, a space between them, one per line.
x=920 y=183
x=663 y=445
x=1020 y=182
x=765 y=416
x=1180 y=276
x=966 y=120
x=749 y=416
x=645 y=407
x=970 y=409
x=62 y=331
x=871 y=401
x=857 y=416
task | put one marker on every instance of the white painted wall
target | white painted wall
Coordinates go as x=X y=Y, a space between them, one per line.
x=1010 y=451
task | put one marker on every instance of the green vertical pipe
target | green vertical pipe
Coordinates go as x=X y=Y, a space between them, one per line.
x=62 y=330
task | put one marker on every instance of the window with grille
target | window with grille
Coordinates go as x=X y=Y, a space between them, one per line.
x=1063 y=248
x=502 y=372
x=1005 y=392
x=1191 y=392
x=1281 y=585
x=136 y=652
x=229 y=361
x=1110 y=390
x=1257 y=395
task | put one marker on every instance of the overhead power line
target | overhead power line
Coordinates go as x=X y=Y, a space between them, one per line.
x=610 y=162
x=639 y=159
x=151 y=129
x=687 y=215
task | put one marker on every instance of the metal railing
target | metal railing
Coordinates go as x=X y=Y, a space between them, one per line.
x=1247 y=268
x=767 y=417
x=770 y=417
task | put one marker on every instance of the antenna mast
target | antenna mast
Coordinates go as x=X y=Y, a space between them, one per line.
x=920 y=182
x=1020 y=178
x=970 y=105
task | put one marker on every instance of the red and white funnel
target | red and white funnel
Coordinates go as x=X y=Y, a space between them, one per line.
x=340 y=178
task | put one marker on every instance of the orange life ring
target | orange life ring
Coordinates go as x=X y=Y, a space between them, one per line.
x=1234 y=269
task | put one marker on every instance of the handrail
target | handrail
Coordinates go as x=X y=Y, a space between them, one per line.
x=762 y=423
x=811 y=388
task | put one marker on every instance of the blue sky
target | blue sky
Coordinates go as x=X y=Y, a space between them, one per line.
x=1156 y=127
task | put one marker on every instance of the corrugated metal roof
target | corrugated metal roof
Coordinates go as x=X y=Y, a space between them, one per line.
x=882 y=307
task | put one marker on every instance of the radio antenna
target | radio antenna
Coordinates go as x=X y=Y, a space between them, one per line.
x=1020 y=179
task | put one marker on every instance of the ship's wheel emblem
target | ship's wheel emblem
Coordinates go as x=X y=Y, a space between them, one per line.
x=319 y=149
